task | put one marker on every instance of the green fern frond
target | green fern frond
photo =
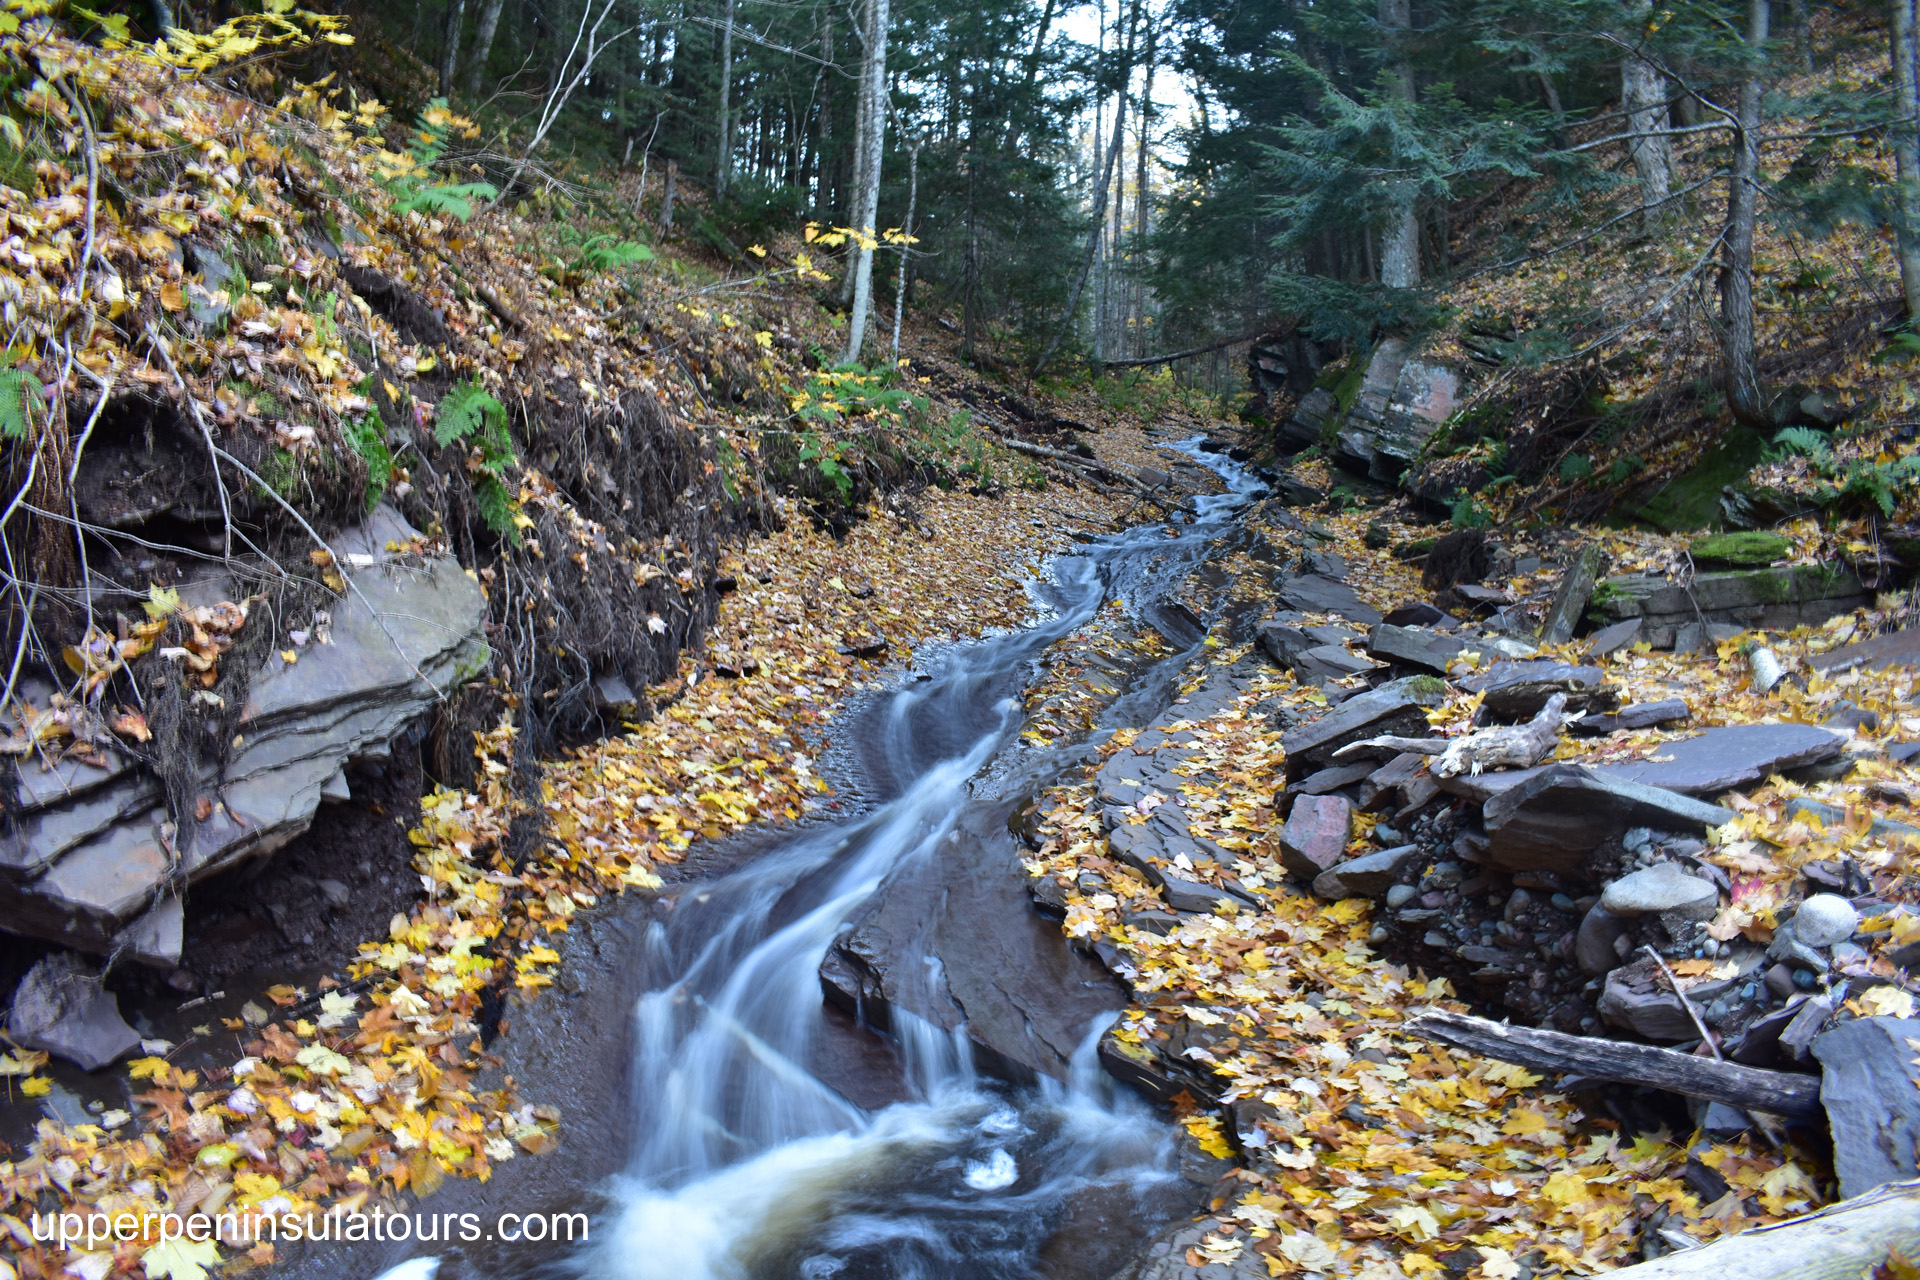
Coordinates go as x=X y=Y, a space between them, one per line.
x=497 y=507
x=20 y=391
x=465 y=408
x=1804 y=441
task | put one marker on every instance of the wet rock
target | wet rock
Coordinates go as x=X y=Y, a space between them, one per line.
x=1413 y=647
x=1393 y=709
x=1313 y=593
x=158 y=936
x=1662 y=889
x=1553 y=819
x=1319 y=784
x=1330 y=662
x=1594 y=945
x=1870 y=1090
x=1825 y=919
x=1517 y=690
x=61 y=1007
x=1159 y=922
x=1571 y=597
x=1315 y=835
x=1643 y=715
x=1610 y=640
x=1368 y=876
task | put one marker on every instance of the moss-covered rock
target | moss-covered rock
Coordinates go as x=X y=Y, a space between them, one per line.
x=1691 y=500
x=1744 y=550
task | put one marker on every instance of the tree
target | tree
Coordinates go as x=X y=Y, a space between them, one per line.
x=1400 y=237
x=1736 y=281
x=1906 y=151
x=873 y=88
x=1643 y=98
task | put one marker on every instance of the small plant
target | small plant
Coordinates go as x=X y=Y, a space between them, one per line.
x=825 y=457
x=1575 y=467
x=1862 y=482
x=1804 y=442
x=1468 y=513
x=605 y=253
x=1624 y=469
x=369 y=439
x=425 y=149
x=20 y=393
x=469 y=411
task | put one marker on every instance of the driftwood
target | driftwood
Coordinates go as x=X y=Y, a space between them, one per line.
x=1840 y=1242
x=1780 y=1093
x=1517 y=746
x=1094 y=468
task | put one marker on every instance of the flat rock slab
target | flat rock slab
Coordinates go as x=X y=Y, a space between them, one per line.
x=1829 y=815
x=1344 y=775
x=1368 y=876
x=1644 y=715
x=62 y=1007
x=1661 y=889
x=1314 y=593
x=1636 y=999
x=1730 y=757
x=1610 y=640
x=1413 y=647
x=1556 y=817
x=1870 y=1088
x=1389 y=710
x=1895 y=649
x=1333 y=661
x=1517 y=690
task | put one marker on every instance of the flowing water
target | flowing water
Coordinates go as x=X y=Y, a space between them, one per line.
x=746 y=1162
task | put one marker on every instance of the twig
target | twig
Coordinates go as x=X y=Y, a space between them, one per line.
x=1713 y=1046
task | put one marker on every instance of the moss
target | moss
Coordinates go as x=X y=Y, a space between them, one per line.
x=1691 y=500
x=1776 y=587
x=1415 y=549
x=1425 y=689
x=1747 y=549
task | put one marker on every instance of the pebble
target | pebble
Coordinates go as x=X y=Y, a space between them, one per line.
x=1637 y=840
x=1561 y=902
x=1378 y=935
x=1804 y=980
x=1660 y=889
x=1849 y=953
x=1824 y=919
x=1400 y=895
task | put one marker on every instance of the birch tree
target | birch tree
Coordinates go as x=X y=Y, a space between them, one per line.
x=873 y=90
x=1400 y=238
x=1906 y=153
x=1643 y=97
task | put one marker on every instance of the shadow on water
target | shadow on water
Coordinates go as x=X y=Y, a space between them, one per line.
x=749 y=1141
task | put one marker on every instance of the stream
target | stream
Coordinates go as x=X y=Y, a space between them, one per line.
x=744 y=1160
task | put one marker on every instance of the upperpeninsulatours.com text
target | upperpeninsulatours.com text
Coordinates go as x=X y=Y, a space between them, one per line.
x=92 y=1230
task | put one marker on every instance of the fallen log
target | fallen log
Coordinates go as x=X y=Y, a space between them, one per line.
x=1780 y=1093
x=1840 y=1242
x=1519 y=746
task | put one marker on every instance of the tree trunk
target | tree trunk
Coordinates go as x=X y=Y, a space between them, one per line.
x=857 y=199
x=1906 y=154
x=1400 y=239
x=482 y=44
x=666 y=198
x=1093 y=236
x=827 y=196
x=1011 y=139
x=1143 y=206
x=450 y=48
x=874 y=89
x=1802 y=33
x=906 y=245
x=1643 y=96
x=1736 y=283
x=723 y=165
x=1840 y=1242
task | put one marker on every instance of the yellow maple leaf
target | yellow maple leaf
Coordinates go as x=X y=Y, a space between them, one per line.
x=1524 y=1121
x=155 y=1069
x=36 y=1087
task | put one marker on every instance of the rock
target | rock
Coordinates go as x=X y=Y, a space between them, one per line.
x=1825 y=919
x=1553 y=819
x=1644 y=715
x=1809 y=1020
x=1743 y=550
x=1593 y=945
x=1315 y=835
x=1662 y=889
x=61 y=1007
x=1847 y=718
x=1870 y=1090
x=158 y=936
x=1314 y=593
x=1455 y=558
x=1400 y=895
x=1755 y=599
x=1295 y=492
x=1330 y=662
x=1197 y=896
x=1610 y=640
x=1302 y=428
x=336 y=893
x=1731 y=757
x=1368 y=876
x=1397 y=777
x=1401 y=402
x=1787 y=948
x=1828 y=815
x=1637 y=999
x=1895 y=649
x=1415 y=613
x=86 y=858
x=1412 y=647
x=1575 y=590
x=1282 y=643
x=1392 y=709
x=1517 y=690
x=1345 y=775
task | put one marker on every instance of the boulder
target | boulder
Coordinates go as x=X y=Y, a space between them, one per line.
x=1570 y=598
x=87 y=856
x=1368 y=876
x=1824 y=919
x=62 y=1007
x=1401 y=402
x=1413 y=647
x=1870 y=1089
x=1662 y=889
x=1316 y=593
x=1636 y=998
x=1553 y=819
x=1517 y=690
x=1415 y=613
x=1395 y=709
x=1643 y=715
x=1302 y=428
x=1755 y=599
x=1315 y=835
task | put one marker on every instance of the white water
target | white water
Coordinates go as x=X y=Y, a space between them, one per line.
x=747 y=1165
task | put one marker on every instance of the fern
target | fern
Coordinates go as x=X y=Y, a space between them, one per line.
x=465 y=408
x=369 y=439
x=604 y=253
x=1575 y=466
x=428 y=145
x=1805 y=442
x=455 y=201
x=19 y=392
x=497 y=507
